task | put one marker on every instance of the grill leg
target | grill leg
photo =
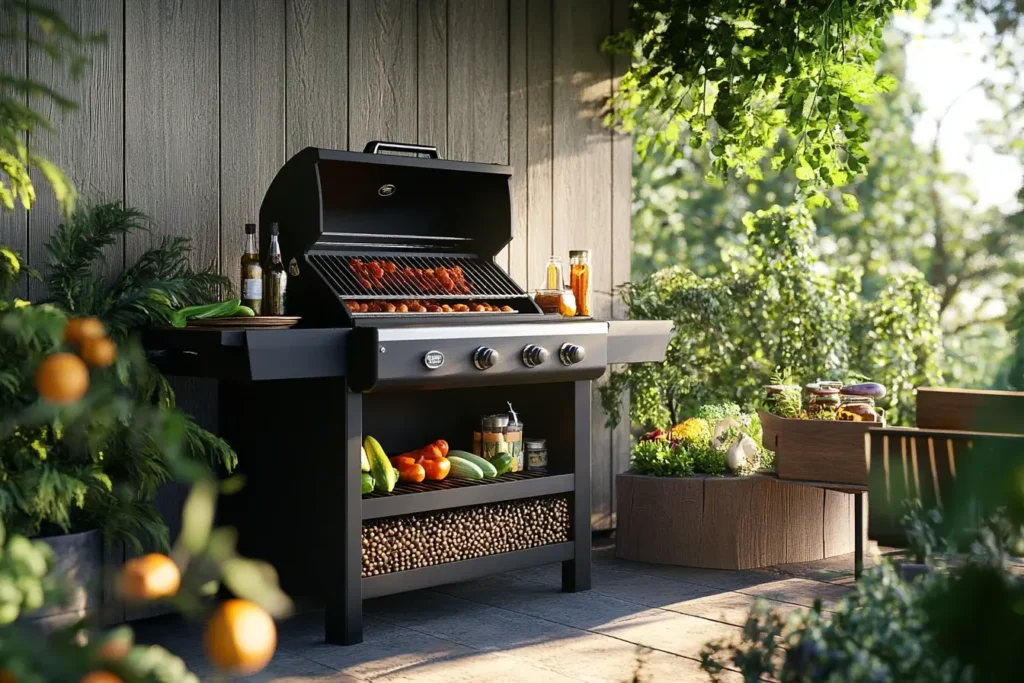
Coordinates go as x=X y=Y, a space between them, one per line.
x=858 y=530
x=576 y=572
x=344 y=619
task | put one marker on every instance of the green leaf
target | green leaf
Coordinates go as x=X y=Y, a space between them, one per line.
x=197 y=516
x=804 y=172
x=850 y=202
x=256 y=581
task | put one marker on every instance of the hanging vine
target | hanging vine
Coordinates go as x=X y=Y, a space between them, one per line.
x=736 y=74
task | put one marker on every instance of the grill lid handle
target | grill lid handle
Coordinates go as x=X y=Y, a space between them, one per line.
x=377 y=146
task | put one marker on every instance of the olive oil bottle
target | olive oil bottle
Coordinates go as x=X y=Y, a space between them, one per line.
x=252 y=273
x=275 y=277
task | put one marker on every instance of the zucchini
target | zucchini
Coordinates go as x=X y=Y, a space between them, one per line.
x=244 y=312
x=464 y=469
x=364 y=462
x=502 y=463
x=367 y=482
x=487 y=468
x=384 y=475
x=221 y=309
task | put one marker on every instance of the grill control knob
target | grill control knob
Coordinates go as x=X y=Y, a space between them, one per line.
x=484 y=358
x=570 y=354
x=534 y=355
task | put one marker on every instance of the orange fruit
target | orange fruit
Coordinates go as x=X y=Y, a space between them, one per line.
x=77 y=330
x=7 y=676
x=116 y=645
x=149 y=577
x=240 y=637
x=62 y=378
x=98 y=352
x=100 y=676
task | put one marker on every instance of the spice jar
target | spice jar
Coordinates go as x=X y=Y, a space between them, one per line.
x=476 y=443
x=553 y=274
x=492 y=435
x=514 y=442
x=580 y=280
x=549 y=300
x=857 y=409
x=536 y=453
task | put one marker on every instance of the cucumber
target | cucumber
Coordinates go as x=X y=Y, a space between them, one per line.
x=487 y=468
x=464 y=469
x=502 y=463
x=364 y=462
x=384 y=475
x=367 y=482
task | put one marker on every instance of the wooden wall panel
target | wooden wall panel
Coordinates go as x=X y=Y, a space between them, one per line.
x=89 y=146
x=622 y=212
x=518 y=130
x=14 y=224
x=582 y=182
x=252 y=65
x=171 y=123
x=432 y=75
x=316 y=75
x=382 y=73
x=539 y=140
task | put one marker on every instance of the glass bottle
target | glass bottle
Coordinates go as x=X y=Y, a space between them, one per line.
x=252 y=273
x=580 y=280
x=275 y=277
x=553 y=274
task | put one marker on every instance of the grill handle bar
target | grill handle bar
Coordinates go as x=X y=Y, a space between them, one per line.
x=377 y=146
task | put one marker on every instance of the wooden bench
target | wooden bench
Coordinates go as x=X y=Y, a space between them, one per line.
x=961 y=434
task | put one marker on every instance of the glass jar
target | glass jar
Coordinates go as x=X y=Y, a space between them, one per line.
x=580 y=280
x=567 y=304
x=492 y=435
x=536 y=453
x=476 y=444
x=549 y=300
x=553 y=278
x=857 y=409
x=514 y=442
x=823 y=400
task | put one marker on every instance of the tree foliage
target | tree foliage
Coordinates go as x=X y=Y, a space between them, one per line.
x=23 y=100
x=775 y=304
x=733 y=74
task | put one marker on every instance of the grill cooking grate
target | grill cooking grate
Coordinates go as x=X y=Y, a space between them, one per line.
x=444 y=484
x=396 y=276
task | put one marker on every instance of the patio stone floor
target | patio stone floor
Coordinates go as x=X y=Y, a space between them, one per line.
x=640 y=622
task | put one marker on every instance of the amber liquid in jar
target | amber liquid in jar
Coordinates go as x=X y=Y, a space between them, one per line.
x=857 y=409
x=580 y=280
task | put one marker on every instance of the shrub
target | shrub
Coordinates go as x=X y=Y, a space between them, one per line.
x=776 y=305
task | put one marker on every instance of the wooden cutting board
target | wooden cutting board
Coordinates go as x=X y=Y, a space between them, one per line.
x=261 y=322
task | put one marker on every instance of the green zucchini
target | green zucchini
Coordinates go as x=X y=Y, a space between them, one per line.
x=487 y=468
x=221 y=309
x=384 y=475
x=502 y=463
x=464 y=469
x=364 y=462
x=367 y=482
x=244 y=312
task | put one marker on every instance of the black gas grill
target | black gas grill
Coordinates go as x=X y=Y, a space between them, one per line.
x=409 y=332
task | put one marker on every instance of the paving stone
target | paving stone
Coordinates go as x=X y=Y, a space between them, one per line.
x=800 y=592
x=473 y=668
x=668 y=631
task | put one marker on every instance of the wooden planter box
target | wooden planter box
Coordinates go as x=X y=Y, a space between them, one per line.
x=729 y=522
x=830 y=451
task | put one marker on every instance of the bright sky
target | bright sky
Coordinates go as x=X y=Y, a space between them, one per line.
x=942 y=70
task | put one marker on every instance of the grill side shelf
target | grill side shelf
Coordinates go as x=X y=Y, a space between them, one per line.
x=451 y=493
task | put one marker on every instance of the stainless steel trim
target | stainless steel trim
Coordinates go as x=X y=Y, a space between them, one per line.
x=385 y=334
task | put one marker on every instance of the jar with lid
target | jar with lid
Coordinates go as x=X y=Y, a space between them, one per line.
x=823 y=400
x=536 y=453
x=857 y=409
x=580 y=280
x=492 y=435
x=514 y=443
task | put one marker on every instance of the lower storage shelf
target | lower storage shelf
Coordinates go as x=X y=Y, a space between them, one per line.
x=443 y=537
x=465 y=570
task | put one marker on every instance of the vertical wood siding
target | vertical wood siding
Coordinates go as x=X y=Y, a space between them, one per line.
x=193 y=105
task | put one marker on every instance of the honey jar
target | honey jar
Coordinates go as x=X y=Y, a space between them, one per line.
x=857 y=409
x=580 y=280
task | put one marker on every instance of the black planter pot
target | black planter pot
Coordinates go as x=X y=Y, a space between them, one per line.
x=911 y=570
x=80 y=561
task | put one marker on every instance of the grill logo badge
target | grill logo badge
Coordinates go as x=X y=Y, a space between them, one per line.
x=386 y=190
x=433 y=360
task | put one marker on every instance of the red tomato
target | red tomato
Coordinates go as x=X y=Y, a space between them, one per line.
x=442 y=445
x=431 y=452
x=437 y=469
x=400 y=461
